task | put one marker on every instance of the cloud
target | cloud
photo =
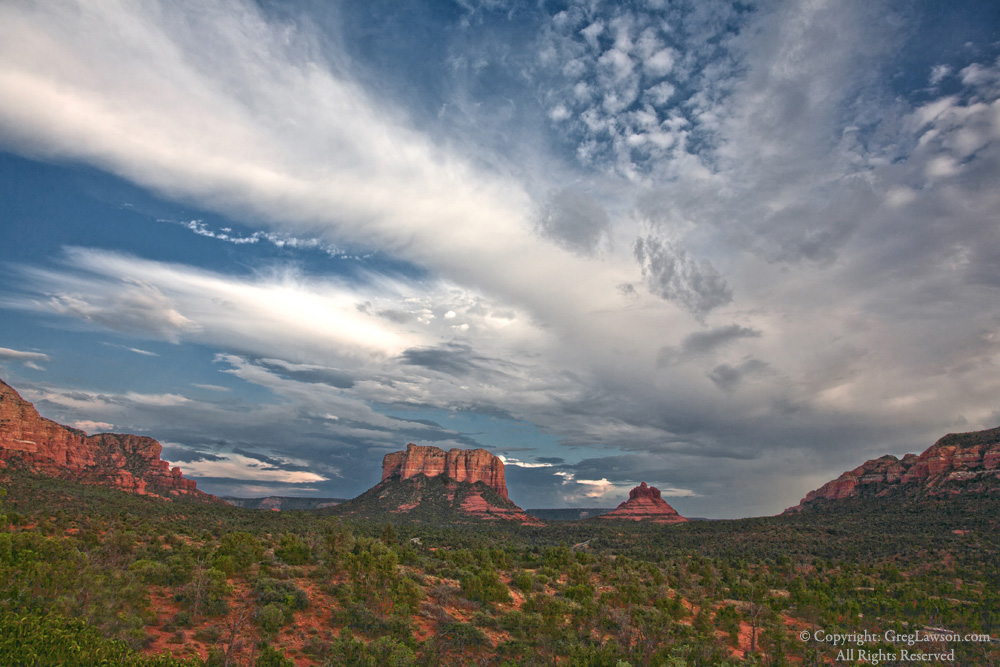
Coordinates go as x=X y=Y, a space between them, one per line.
x=309 y=373
x=135 y=307
x=276 y=239
x=136 y=350
x=508 y=461
x=453 y=359
x=673 y=275
x=727 y=377
x=20 y=355
x=28 y=359
x=706 y=341
x=574 y=219
x=701 y=343
x=92 y=427
x=240 y=467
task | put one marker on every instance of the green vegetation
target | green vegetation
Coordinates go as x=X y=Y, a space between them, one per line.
x=92 y=576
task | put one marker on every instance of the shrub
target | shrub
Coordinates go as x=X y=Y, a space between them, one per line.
x=271 y=657
x=276 y=591
x=151 y=572
x=292 y=550
x=243 y=548
x=272 y=618
x=485 y=587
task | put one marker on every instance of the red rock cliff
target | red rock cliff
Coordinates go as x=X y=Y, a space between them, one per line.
x=645 y=504
x=956 y=462
x=128 y=462
x=461 y=465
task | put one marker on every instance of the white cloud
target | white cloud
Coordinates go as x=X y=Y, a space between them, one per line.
x=29 y=359
x=508 y=461
x=92 y=427
x=237 y=466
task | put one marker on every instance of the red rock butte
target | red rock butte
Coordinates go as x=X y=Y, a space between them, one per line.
x=461 y=465
x=128 y=462
x=955 y=462
x=645 y=504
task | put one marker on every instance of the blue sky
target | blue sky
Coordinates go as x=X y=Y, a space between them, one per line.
x=729 y=249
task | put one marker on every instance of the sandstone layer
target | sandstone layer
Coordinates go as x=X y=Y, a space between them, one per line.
x=957 y=463
x=645 y=504
x=128 y=462
x=461 y=465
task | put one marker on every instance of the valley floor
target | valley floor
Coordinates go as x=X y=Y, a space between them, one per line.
x=90 y=574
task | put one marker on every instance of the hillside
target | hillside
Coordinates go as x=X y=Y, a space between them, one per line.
x=132 y=463
x=957 y=464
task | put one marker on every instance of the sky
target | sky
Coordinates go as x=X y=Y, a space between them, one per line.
x=728 y=249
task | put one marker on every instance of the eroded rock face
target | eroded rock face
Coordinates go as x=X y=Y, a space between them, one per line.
x=128 y=462
x=461 y=465
x=645 y=504
x=957 y=462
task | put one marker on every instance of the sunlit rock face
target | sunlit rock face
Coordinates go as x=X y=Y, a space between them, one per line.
x=955 y=464
x=128 y=462
x=645 y=504
x=461 y=465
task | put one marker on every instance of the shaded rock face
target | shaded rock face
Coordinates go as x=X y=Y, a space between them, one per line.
x=461 y=465
x=957 y=463
x=128 y=462
x=645 y=504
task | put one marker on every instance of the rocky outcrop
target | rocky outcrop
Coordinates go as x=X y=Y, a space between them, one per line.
x=461 y=465
x=128 y=462
x=957 y=463
x=429 y=485
x=645 y=504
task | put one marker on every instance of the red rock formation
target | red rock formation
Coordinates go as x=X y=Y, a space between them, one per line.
x=645 y=504
x=461 y=465
x=128 y=462
x=956 y=462
x=430 y=484
x=477 y=506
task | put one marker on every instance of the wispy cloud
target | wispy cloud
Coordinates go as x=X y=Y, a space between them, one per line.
x=28 y=359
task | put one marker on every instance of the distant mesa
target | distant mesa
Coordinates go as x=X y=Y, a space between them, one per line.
x=957 y=464
x=461 y=465
x=645 y=504
x=131 y=463
x=428 y=484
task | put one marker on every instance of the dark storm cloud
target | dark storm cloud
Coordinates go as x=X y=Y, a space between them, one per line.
x=456 y=359
x=308 y=373
x=704 y=342
x=267 y=460
x=728 y=377
x=176 y=454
